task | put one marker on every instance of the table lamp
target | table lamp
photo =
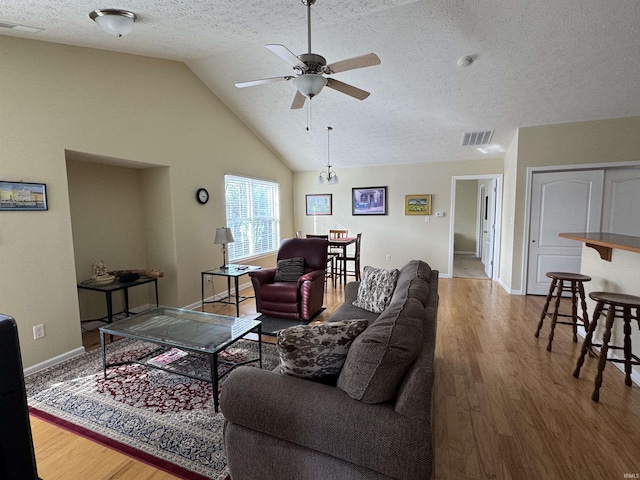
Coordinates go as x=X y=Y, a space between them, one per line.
x=223 y=236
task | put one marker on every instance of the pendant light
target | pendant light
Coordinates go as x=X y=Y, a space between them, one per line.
x=332 y=177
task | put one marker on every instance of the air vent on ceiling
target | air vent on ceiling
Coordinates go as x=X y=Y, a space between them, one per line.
x=471 y=139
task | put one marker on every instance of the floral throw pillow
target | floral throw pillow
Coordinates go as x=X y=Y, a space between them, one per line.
x=376 y=288
x=317 y=352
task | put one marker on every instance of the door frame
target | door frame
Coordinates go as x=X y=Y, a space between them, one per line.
x=527 y=207
x=497 y=221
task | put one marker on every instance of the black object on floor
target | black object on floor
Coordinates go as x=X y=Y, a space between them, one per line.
x=271 y=325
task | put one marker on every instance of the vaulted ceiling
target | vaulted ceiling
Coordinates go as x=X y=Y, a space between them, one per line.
x=534 y=62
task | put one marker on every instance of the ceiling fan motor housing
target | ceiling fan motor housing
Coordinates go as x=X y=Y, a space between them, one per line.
x=315 y=63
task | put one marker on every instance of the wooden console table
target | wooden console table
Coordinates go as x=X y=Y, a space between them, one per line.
x=604 y=243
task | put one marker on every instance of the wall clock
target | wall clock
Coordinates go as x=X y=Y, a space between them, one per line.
x=202 y=195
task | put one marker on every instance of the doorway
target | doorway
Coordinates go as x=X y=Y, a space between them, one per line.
x=474 y=233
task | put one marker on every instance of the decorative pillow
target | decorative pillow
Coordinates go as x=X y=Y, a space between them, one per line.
x=379 y=359
x=376 y=288
x=317 y=352
x=289 y=269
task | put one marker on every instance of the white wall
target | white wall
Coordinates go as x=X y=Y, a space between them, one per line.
x=465 y=228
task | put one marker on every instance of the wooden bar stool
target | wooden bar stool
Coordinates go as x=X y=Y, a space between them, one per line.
x=617 y=305
x=558 y=280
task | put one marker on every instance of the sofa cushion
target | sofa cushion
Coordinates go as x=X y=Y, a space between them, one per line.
x=379 y=358
x=289 y=269
x=376 y=288
x=317 y=352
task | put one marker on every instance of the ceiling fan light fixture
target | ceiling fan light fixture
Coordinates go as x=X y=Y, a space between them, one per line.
x=310 y=84
x=113 y=21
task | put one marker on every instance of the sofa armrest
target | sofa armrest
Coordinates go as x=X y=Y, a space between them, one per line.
x=325 y=419
x=262 y=276
x=311 y=276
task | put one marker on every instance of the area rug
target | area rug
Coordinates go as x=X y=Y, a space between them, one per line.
x=157 y=417
x=271 y=325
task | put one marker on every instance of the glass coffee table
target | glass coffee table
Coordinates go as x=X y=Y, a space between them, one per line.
x=179 y=332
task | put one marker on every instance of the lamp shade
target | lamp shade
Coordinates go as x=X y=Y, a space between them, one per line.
x=223 y=236
x=310 y=84
x=114 y=22
x=333 y=179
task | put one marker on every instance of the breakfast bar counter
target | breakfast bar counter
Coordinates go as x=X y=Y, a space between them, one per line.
x=604 y=243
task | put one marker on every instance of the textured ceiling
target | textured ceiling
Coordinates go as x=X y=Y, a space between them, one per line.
x=535 y=62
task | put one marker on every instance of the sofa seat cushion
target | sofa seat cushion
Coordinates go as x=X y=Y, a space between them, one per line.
x=376 y=288
x=317 y=352
x=380 y=357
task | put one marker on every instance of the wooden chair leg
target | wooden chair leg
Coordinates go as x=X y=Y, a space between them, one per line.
x=586 y=345
x=546 y=305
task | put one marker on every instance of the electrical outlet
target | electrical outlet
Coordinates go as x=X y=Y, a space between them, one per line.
x=38 y=332
x=427 y=219
x=388 y=257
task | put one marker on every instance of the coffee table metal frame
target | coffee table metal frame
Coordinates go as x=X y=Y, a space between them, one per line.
x=238 y=328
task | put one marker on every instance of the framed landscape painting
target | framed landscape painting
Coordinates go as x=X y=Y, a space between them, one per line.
x=417 y=204
x=369 y=201
x=19 y=196
x=319 y=204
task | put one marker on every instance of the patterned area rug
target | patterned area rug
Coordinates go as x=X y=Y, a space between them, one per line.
x=166 y=417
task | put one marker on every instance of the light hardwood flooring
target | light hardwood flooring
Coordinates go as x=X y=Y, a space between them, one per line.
x=503 y=407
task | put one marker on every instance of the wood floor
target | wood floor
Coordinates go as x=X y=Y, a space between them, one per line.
x=504 y=407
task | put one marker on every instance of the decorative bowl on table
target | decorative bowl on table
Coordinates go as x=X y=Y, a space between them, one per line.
x=103 y=279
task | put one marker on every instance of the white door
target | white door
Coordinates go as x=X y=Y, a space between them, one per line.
x=560 y=202
x=621 y=201
x=489 y=226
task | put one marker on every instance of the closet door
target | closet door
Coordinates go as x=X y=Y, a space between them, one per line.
x=560 y=202
x=621 y=206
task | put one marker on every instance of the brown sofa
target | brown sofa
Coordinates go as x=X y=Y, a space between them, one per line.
x=287 y=428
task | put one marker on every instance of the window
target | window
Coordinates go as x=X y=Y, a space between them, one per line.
x=253 y=215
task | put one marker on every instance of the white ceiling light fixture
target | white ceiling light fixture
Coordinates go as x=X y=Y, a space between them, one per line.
x=310 y=85
x=332 y=177
x=113 y=21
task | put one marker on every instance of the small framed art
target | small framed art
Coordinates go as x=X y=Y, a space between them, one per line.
x=417 y=204
x=319 y=204
x=20 y=196
x=369 y=201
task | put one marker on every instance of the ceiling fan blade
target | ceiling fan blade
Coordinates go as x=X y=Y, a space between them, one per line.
x=288 y=56
x=298 y=101
x=347 y=89
x=262 y=81
x=362 y=61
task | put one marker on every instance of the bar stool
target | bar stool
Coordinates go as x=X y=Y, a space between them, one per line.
x=617 y=305
x=577 y=288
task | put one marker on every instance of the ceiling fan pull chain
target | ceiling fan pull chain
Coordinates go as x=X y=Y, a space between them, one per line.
x=309 y=115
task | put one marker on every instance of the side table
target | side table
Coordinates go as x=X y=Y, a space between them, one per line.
x=230 y=271
x=114 y=287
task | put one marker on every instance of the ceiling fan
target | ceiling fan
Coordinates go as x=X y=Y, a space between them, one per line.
x=309 y=70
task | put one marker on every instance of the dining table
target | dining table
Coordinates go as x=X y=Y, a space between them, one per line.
x=342 y=243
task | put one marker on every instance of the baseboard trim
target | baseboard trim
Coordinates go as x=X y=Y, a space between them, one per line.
x=54 y=361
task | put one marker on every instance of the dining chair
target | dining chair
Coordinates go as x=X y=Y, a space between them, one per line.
x=355 y=258
x=337 y=251
x=332 y=260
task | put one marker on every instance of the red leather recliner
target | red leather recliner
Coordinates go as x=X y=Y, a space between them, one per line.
x=293 y=300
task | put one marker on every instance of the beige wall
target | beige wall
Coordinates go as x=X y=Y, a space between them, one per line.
x=466 y=216
x=401 y=236
x=57 y=99
x=603 y=141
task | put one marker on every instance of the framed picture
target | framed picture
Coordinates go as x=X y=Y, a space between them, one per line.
x=18 y=196
x=417 y=204
x=369 y=201
x=319 y=204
